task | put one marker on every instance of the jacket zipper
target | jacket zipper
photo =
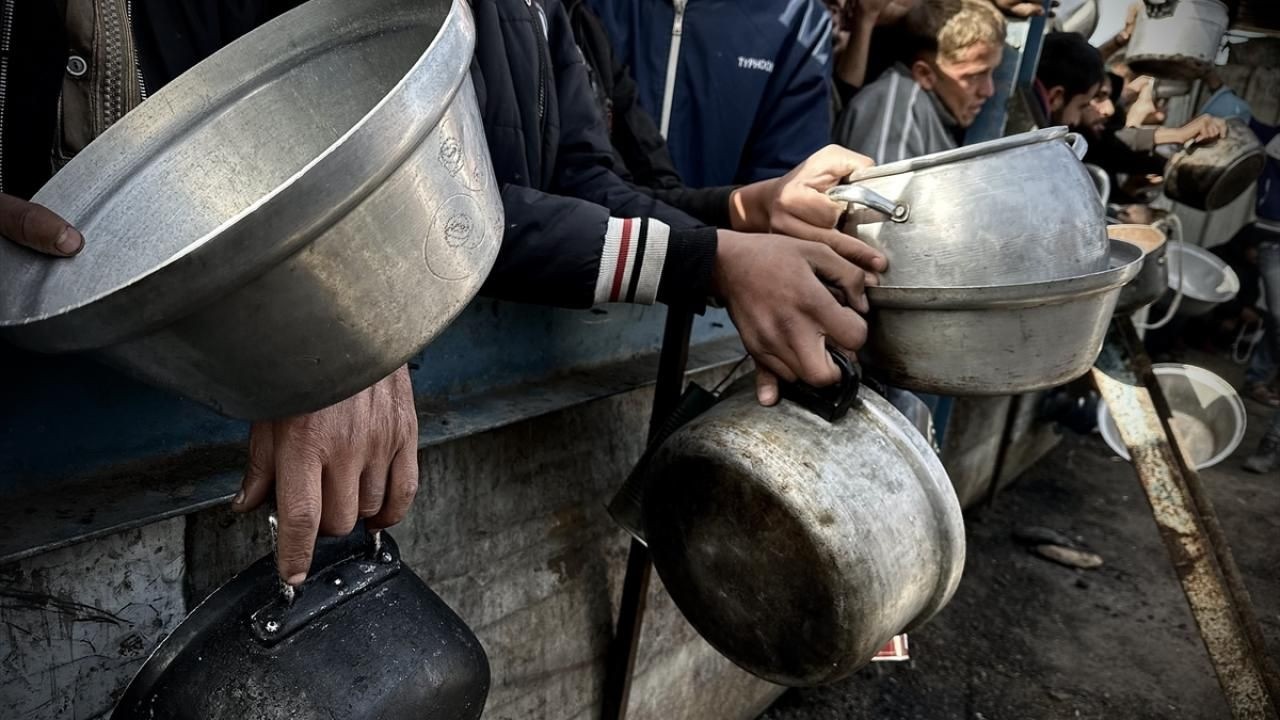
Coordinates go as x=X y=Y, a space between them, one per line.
x=137 y=52
x=673 y=60
x=6 y=35
x=539 y=31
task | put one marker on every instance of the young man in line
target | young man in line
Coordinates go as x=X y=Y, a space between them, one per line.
x=923 y=104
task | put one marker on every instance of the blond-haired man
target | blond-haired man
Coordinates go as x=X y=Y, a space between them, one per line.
x=916 y=109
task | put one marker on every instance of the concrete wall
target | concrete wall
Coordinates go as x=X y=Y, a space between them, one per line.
x=509 y=527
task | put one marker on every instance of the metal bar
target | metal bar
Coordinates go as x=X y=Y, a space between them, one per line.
x=635 y=587
x=1002 y=452
x=1165 y=476
x=1141 y=365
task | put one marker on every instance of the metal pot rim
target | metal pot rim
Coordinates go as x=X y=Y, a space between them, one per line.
x=967 y=152
x=1126 y=261
x=1231 y=280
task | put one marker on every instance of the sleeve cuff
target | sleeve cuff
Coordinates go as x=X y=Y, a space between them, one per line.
x=686 y=282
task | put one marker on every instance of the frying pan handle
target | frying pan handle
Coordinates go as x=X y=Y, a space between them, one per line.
x=858 y=195
x=829 y=403
x=1078 y=144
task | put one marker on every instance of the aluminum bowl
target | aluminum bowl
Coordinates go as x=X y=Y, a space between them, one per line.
x=997 y=340
x=284 y=224
x=1206 y=280
x=1209 y=417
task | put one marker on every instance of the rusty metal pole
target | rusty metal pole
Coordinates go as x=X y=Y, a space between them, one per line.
x=1225 y=619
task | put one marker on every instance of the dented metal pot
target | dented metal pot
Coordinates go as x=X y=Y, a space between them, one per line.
x=799 y=539
x=1210 y=176
x=284 y=224
x=982 y=214
x=1177 y=39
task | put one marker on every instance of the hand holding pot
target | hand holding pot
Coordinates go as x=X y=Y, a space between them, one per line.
x=355 y=459
x=38 y=228
x=796 y=204
x=790 y=299
x=1205 y=128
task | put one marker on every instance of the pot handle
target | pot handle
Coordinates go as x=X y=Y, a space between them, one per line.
x=348 y=565
x=829 y=403
x=1078 y=145
x=1174 y=224
x=858 y=195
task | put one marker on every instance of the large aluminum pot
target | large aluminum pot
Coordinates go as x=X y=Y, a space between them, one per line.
x=1153 y=279
x=995 y=340
x=1210 y=176
x=797 y=545
x=1177 y=38
x=284 y=224
x=983 y=214
x=1204 y=279
x=1209 y=417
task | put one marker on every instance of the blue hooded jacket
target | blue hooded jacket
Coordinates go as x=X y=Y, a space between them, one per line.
x=751 y=95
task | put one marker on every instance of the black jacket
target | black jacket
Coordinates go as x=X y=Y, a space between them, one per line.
x=576 y=235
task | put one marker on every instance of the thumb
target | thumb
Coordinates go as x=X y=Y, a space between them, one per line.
x=37 y=227
x=766 y=387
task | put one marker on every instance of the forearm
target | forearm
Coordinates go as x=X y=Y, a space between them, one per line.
x=851 y=66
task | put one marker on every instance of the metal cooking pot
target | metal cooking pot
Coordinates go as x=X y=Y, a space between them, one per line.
x=1210 y=176
x=1209 y=417
x=995 y=340
x=1177 y=38
x=284 y=224
x=799 y=539
x=1205 y=280
x=983 y=214
x=363 y=637
x=1153 y=279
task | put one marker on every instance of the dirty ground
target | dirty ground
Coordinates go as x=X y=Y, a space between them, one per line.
x=1028 y=638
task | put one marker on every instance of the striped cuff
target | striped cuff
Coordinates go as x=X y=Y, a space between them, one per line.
x=635 y=250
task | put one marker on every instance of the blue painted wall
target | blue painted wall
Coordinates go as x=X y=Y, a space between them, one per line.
x=64 y=415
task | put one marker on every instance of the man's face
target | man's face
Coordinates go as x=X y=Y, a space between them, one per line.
x=1094 y=117
x=1070 y=111
x=963 y=84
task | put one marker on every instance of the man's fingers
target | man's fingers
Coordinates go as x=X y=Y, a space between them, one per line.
x=340 y=505
x=767 y=393
x=261 y=472
x=402 y=486
x=843 y=327
x=803 y=212
x=298 y=502
x=815 y=364
x=373 y=488
x=38 y=228
x=852 y=249
x=835 y=270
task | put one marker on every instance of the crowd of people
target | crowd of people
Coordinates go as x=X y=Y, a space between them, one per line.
x=673 y=151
